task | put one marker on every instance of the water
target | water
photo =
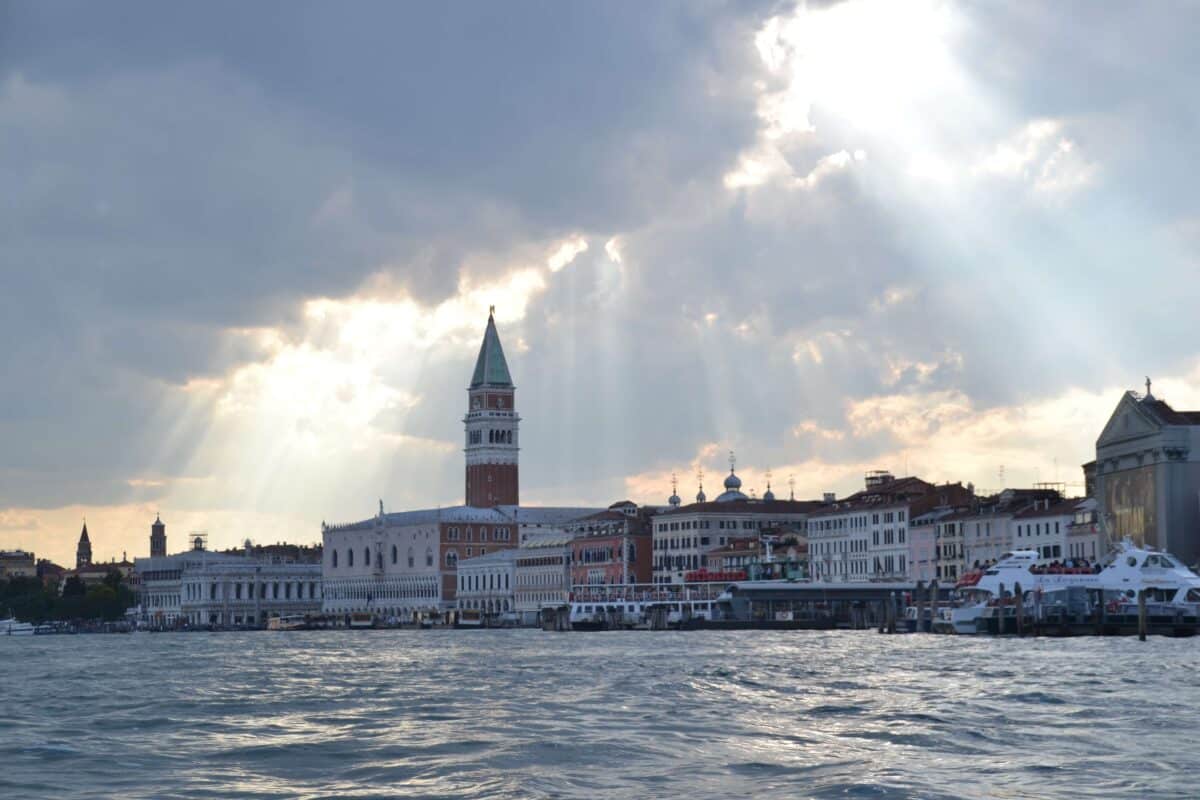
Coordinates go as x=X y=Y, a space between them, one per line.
x=372 y=714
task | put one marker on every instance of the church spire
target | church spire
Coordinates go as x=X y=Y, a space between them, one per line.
x=491 y=368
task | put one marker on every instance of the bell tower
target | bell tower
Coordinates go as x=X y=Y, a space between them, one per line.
x=158 y=538
x=83 y=551
x=492 y=427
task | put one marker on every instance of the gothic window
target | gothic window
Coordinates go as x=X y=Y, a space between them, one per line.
x=410 y=558
x=483 y=534
x=335 y=559
x=350 y=557
x=428 y=557
x=395 y=553
x=366 y=556
x=451 y=559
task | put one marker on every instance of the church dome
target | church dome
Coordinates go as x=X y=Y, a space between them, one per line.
x=674 y=499
x=700 y=496
x=768 y=495
x=733 y=482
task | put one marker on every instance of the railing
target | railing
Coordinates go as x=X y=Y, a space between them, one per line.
x=646 y=592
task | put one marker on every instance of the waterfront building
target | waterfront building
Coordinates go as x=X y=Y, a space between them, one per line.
x=684 y=534
x=234 y=588
x=1146 y=476
x=612 y=546
x=989 y=532
x=923 y=543
x=1045 y=527
x=487 y=583
x=542 y=576
x=242 y=590
x=865 y=536
x=779 y=555
x=1085 y=537
x=17 y=564
x=400 y=563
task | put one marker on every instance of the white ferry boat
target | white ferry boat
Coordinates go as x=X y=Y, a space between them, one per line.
x=1119 y=577
x=11 y=627
x=602 y=607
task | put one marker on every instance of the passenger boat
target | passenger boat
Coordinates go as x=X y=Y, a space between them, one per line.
x=11 y=627
x=643 y=605
x=1115 y=581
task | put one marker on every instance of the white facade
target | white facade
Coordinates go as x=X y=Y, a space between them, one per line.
x=248 y=592
x=487 y=583
x=542 y=576
x=388 y=565
x=200 y=587
x=859 y=543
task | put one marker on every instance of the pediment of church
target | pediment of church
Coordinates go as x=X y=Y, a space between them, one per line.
x=1128 y=421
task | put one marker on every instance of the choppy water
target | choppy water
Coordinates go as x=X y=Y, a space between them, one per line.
x=604 y=715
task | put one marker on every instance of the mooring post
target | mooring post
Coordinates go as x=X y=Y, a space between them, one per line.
x=1142 y=615
x=933 y=603
x=919 y=597
x=1020 y=609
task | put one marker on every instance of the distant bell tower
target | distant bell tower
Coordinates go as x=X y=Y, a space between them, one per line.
x=158 y=538
x=83 y=553
x=491 y=427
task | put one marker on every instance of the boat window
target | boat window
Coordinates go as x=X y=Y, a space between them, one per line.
x=1193 y=596
x=1167 y=562
x=1131 y=561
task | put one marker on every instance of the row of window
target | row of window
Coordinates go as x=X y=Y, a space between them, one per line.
x=366 y=557
x=369 y=593
x=267 y=590
x=489 y=582
x=689 y=561
x=858 y=521
x=501 y=534
x=722 y=525
x=493 y=437
x=1032 y=529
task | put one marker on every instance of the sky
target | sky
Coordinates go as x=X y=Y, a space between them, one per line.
x=247 y=250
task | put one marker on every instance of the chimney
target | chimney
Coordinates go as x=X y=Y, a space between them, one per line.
x=828 y=497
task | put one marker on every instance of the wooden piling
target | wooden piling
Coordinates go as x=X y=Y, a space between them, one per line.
x=919 y=598
x=1020 y=609
x=1142 y=615
x=933 y=603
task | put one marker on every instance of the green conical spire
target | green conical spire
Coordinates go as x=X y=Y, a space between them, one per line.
x=490 y=368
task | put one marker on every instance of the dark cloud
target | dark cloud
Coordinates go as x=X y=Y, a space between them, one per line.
x=174 y=173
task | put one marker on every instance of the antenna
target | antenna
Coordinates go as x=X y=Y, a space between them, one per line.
x=732 y=461
x=792 y=487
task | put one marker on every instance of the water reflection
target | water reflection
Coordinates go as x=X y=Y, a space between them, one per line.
x=531 y=714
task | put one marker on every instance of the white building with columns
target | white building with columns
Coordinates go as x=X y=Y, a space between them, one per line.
x=487 y=583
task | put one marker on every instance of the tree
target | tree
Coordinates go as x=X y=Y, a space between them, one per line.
x=74 y=587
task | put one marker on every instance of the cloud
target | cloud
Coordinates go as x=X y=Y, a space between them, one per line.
x=246 y=285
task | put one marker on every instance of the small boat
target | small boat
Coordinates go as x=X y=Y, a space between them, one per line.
x=290 y=622
x=361 y=620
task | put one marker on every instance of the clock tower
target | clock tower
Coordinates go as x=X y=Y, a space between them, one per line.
x=491 y=427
